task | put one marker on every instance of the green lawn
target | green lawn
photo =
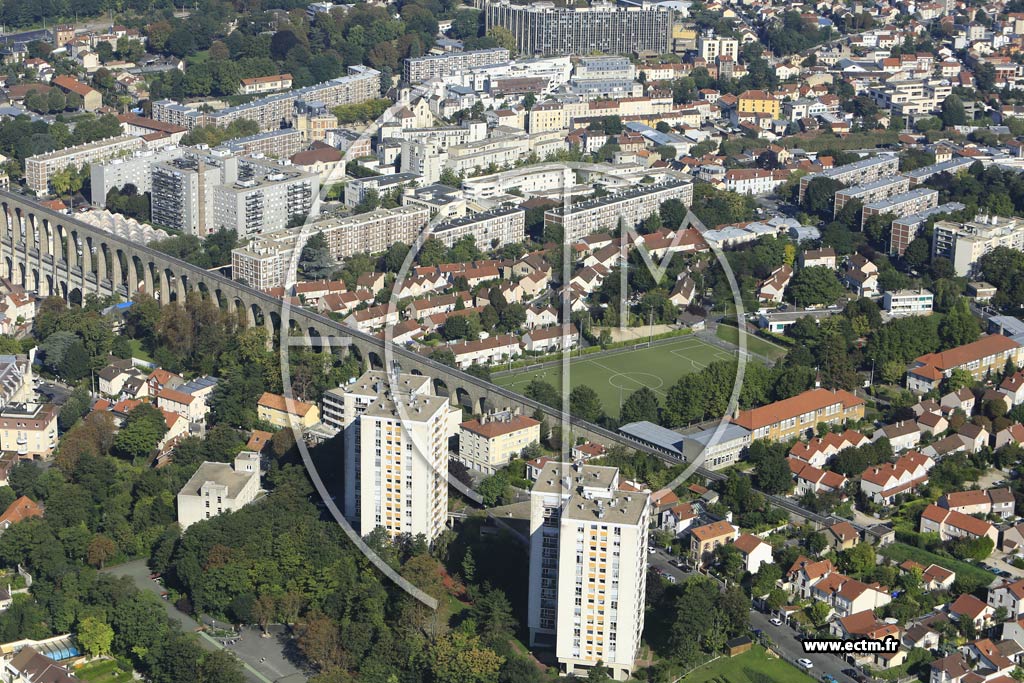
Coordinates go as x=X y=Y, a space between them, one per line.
x=754 y=666
x=138 y=351
x=899 y=552
x=762 y=347
x=105 y=671
x=618 y=374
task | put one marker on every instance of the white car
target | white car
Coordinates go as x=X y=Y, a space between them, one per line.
x=805 y=663
x=775 y=621
x=651 y=550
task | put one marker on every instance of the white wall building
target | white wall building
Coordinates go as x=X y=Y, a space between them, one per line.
x=218 y=487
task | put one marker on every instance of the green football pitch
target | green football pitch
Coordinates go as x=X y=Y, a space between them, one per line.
x=615 y=375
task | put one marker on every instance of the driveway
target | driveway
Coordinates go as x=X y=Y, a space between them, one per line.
x=263 y=659
x=786 y=643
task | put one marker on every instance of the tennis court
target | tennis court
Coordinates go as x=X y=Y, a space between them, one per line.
x=615 y=375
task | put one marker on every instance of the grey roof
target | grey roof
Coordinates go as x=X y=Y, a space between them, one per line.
x=891 y=202
x=921 y=216
x=730 y=432
x=219 y=473
x=198 y=384
x=654 y=434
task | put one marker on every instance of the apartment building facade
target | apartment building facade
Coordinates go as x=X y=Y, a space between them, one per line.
x=265 y=262
x=130 y=170
x=986 y=355
x=29 y=429
x=263 y=200
x=428 y=67
x=908 y=302
x=873 y=191
x=915 y=201
x=265 y=84
x=588 y=567
x=793 y=417
x=362 y=83
x=492 y=441
x=503 y=225
x=965 y=243
x=548 y=30
x=859 y=172
x=605 y=213
x=396 y=455
x=40 y=169
x=907 y=227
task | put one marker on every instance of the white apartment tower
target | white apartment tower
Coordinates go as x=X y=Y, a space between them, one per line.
x=396 y=453
x=588 y=567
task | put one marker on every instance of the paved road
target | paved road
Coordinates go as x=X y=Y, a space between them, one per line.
x=785 y=642
x=263 y=658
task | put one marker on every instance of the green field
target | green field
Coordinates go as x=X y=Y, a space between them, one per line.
x=614 y=376
x=762 y=347
x=750 y=667
x=899 y=552
x=103 y=671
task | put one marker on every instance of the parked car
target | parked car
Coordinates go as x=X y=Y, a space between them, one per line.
x=805 y=663
x=775 y=621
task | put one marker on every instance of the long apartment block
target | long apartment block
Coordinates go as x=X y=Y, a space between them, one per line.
x=362 y=83
x=265 y=262
x=906 y=228
x=911 y=202
x=419 y=69
x=605 y=213
x=874 y=191
x=863 y=171
x=545 y=29
x=40 y=169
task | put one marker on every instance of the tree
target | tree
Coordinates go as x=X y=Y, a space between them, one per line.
x=819 y=195
x=818 y=613
x=95 y=636
x=641 y=405
x=100 y=550
x=320 y=642
x=952 y=112
x=460 y=658
x=816 y=285
x=585 y=404
x=773 y=474
x=143 y=430
x=959 y=327
x=315 y=261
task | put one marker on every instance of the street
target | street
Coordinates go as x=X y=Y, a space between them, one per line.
x=783 y=636
x=786 y=643
x=264 y=659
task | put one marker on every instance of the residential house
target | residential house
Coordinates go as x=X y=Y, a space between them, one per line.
x=949 y=524
x=962 y=399
x=31 y=666
x=284 y=412
x=842 y=536
x=975 y=437
x=705 y=539
x=774 y=287
x=819 y=451
x=811 y=478
x=882 y=483
x=21 y=509
x=754 y=551
x=902 y=435
x=992 y=501
x=1009 y=595
x=494 y=349
x=1013 y=386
